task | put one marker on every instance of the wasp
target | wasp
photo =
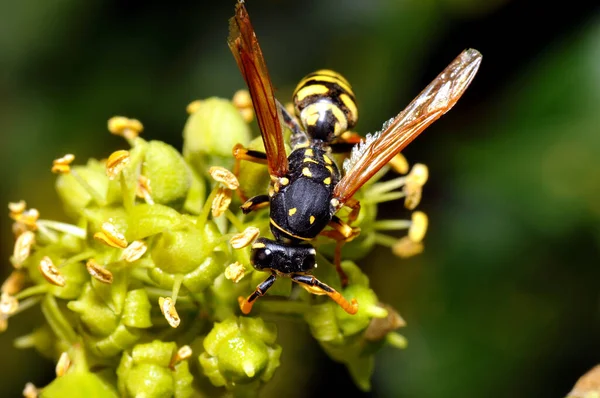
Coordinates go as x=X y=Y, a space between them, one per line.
x=307 y=188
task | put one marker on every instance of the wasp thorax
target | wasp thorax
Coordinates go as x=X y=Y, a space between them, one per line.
x=325 y=104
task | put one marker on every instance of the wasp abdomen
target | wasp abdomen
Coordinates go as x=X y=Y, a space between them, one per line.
x=325 y=104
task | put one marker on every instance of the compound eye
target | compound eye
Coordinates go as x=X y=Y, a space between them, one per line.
x=262 y=257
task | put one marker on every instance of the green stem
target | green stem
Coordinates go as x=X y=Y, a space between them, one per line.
x=385 y=240
x=384 y=198
x=384 y=187
x=64 y=227
x=391 y=225
x=207 y=208
x=176 y=286
x=283 y=307
x=26 y=304
x=234 y=220
x=57 y=321
x=32 y=291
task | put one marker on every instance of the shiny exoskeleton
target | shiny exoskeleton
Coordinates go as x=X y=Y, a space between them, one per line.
x=306 y=188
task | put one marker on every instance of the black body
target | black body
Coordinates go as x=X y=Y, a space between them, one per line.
x=301 y=205
x=270 y=255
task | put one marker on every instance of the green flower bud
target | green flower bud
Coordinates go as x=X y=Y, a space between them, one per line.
x=148 y=370
x=136 y=310
x=122 y=338
x=98 y=318
x=146 y=220
x=211 y=132
x=254 y=178
x=74 y=195
x=179 y=251
x=240 y=351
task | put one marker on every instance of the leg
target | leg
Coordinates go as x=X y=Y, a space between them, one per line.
x=315 y=286
x=255 y=203
x=241 y=153
x=346 y=142
x=247 y=303
x=298 y=135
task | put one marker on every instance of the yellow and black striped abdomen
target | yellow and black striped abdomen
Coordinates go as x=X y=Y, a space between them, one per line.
x=325 y=104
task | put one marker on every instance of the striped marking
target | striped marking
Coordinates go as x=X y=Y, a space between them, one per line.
x=309 y=152
x=306 y=172
x=327 y=159
x=310 y=160
x=330 y=169
x=311 y=89
x=258 y=245
x=351 y=105
x=273 y=223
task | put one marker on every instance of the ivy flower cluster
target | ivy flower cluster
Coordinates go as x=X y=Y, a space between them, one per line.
x=139 y=293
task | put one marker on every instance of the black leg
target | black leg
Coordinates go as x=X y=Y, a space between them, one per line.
x=315 y=286
x=247 y=303
x=254 y=203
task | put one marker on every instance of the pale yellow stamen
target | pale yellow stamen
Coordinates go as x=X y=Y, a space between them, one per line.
x=99 y=273
x=125 y=127
x=28 y=218
x=8 y=304
x=183 y=353
x=134 y=251
x=14 y=283
x=224 y=176
x=244 y=238
x=63 y=364
x=418 y=174
x=399 y=164
x=110 y=236
x=418 y=228
x=116 y=162
x=30 y=391
x=235 y=272
x=143 y=190
x=243 y=102
x=405 y=247
x=17 y=207
x=51 y=273
x=221 y=202
x=167 y=307
x=22 y=248
x=63 y=165
x=413 y=192
x=193 y=107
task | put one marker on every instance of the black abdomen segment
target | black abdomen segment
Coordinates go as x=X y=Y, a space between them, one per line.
x=301 y=209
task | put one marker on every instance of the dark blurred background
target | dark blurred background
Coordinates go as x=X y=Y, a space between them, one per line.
x=503 y=303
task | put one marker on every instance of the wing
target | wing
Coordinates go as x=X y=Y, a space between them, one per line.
x=377 y=150
x=244 y=46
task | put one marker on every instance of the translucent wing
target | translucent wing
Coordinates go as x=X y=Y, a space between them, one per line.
x=378 y=149
x=246 y=50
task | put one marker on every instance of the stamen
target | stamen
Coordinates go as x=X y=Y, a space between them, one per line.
x=28 y=218
x=235 y=272
x=418 y=228
x=63 y=165
x=63 y=227
x=51 y=273
x=224 y=176
x=63 y=364
x=413 y=192
x=22 y=248
x=16 y=208
x=221 y=201
x=405 y=247
x=99 y=273
x=110 y=236
x=183 y=353
x=14 y=283
x=116 y=162
x=134 y=251
x=419 y=174
x=30 y=391
x=125 y=127
x=167 y=307
x=193 y=107
x=244 y=238
x=399 y=164
x=243 y=101
x=8 y=304
x=143 y=190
